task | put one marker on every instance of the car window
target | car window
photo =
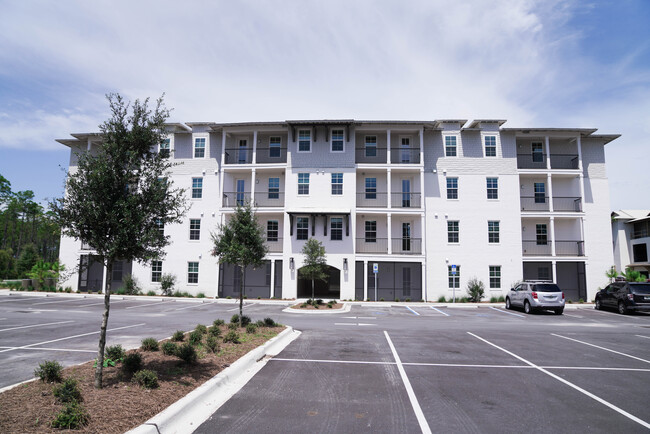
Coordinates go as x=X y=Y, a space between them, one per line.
x=547 y=287
x=640 y=288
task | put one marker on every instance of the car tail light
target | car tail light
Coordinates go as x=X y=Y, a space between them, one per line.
x=562 y=296
x=630 y=297
x=534 y=294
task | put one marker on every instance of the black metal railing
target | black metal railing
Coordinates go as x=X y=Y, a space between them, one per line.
x=405 y=156
x=372 y=200
x=232 y=198
x=562 y=248
x=269 y=198
x=405 y=200
x=238 y=155
x=370 y=155
x=274 y=244
x=271 y=155
x=531 y=161
x=569 y=248
x=372 y=245
x=567 y=204
x=564 y=161
x=406 y=246
x=536 y=248
x=534 y=203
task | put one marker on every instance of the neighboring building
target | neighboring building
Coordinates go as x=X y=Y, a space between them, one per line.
x=631 y=236
x=433 y=203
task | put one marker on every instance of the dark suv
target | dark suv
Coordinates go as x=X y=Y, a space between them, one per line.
x=624 y=296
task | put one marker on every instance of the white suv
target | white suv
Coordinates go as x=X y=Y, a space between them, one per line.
x=535 y=295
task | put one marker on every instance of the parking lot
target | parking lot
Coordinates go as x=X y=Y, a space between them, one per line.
x=381 y=368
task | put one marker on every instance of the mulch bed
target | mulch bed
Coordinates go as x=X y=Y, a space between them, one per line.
x=122 y=405
x=321 y=307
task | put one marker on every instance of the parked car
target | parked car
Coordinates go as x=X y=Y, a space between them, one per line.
x=536 y=295
x=624 y=296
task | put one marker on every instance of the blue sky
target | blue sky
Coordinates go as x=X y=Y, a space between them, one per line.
x=535 y=63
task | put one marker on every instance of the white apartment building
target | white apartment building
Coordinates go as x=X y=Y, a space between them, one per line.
x=432 y=203
x=631 y=237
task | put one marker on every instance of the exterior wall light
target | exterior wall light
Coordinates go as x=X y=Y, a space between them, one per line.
x=292 y=266
x=345 y=264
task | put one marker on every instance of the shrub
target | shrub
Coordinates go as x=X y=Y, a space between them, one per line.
x=233 y=326
x=187 y=353
x=73 y=416
x=396 y=299
x=132 y=363
x=50 y=371
x=167 y=283
x=231 y=336
x=151 y=293
x=212 y=343
x=146 y=378
x=251 y=328
x=178 y=336
x=381 y=299
x=68 y=391
x=581 y=300
x=218 y=322
x=442 y=299
x=260 y=323
x=195 y=337
x=501 y=299
x=200 y=295
x=169 y=348
x=131 y=286
x=201 y=329
x=149 y=344
x=245 y=320
x=214 y=331
x=176 y=294
x=493 y=299
x=115 y=352
x=269 y=322
x=476 y=289
x=407 y=300
x=463 y=300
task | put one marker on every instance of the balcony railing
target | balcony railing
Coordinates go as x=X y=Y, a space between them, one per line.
x=372 y=200
x=271 y=155
x=569 y=248
x=400 y=246
x=269 y=199
x=534 y=203
x=372 y=155
x=562 y=248
x=535 y=248
x=372 y=245
x=640 y=234
x=541 y=203
x=274 y=245
x=561 y=161
x=405 y=200
x=239 y=155
x=538 y=161
x=407 y=246
x=232 y=198
x=567 y=204
x=405 y=156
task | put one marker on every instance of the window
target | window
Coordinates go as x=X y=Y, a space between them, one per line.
x=452 y=188
x=543 y=273
x=193 y=272
x=272 y=230
x=454 y=276
x=165 y=148
x=274 y=188
x=337 y=141
x=302 y=229
x=195 y=229
x=538 y=152
x=275 y=147
x=453 y=233
x=156 y=271
x=336 y=226
x=371 y=231
x=406 y=281
x=405 y=150
x=337 y=183
x=199 y=147
x=542 y=236
x=304 y=141
x=117 y=271
x=450 y=146
x=490 y=146
x=495 y=276
x=371 y=188
x=492 y=188
x=406 y=237
x=303 y=183
x=493 y=231
x=371 y=146
x=161 y=227
x=540 y=192
x=197 y=188
x=640 y=252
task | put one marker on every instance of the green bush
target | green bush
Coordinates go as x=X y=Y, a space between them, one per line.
x=167 y=283
x=200 y=295
x=169 y=348
x=212 y=343
x=476 y=289
x=442 y=299
x=501 y=299
x=131 y=286
x=68 y=391
x=260 y=323
x=115 y=352
x=493 y=299
x=231 y=336
x=233 y=326
x=269 y=322
x=251 y=328
x=218 y=322
x=214 y=331
x=151 y=293
x=149 y=344
x=73 y=416
x=201 y=329
x=195 y=337
x=50 y=371
x=178 y=336
x=187 y=353
x=146 y=378
x=132 y=363
x=245 y=320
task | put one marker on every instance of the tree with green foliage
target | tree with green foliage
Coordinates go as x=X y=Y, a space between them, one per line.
x=28 y=258
x=633 y=276
x=315 y=265
x=475 y=289
x=240 y=242
x=117 y=197
x=611 y=273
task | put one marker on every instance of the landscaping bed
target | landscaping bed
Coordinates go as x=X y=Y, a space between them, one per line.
x=317 y=304
x=122 y=404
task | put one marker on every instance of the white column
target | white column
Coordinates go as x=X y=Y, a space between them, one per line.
x=421 y=145
x=387 y=146
x=253 y=186
x=389 y=188
x=552 y=233
x=103 y=278
x=365 y=279
x=216 y=286
x=272 y=278
x=425 y=296
x=254 y=159
x=389 y=234
x=549 y=181
x=221 y=172
x=554 y=266
x=423 y=243
x=579 y=141
x=548 y=152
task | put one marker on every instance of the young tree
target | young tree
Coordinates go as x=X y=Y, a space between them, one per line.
x=116 y=198
x=315 y=267
x=611 y=273
x=475 y=289
x=240 y=242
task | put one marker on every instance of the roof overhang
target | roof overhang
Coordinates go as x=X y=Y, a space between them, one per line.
x=476 y=123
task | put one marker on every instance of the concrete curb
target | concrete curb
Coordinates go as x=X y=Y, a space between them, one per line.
x=346 y=308
x=186 y=414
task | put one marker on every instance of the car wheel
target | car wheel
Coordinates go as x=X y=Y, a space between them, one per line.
x=598 y=305
x=559 y=311
x=527 y=307
x=508 y=305
x=622 y=309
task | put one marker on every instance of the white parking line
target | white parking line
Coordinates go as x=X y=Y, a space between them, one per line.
x=604 y=312
x=573 y=316
x=509 y=313
x=579 y=389
x=97 y=304
x=187 y=307
x=58 y=301
x=52 y=349
x=438 y=310
x=412 y=310
x=353 y=323
x=35 y=325
x=602 y=348
x=641 y=336
x=237 y=308
x=424 y=426
x=70 y=337
x=150 y=304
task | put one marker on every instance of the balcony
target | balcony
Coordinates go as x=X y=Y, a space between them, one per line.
x=238 y=155
x=274 y=245
x=232 y=198
x=372 y=245
x=562 y=248
x=538 y=161
x=405 y=156
x=405 y=200
x=407 y=246
x=403 y=246
x=372 y=200
x=271 y=155
x=560 y=204
x=371 y=155
x=269 y=199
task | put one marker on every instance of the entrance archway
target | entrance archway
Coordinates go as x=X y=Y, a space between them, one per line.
x=325 y=290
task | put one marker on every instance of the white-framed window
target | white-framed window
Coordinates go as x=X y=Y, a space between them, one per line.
x=453 y=231
x=303 y=183
x=336 y=228
x=337 y=184
x=493 y=232
x=371 y=231
x=537 y=149
x=197 y=188
x=495 y=276
x=540 y=192
x=302 y=228
x=543 y=273
x=371 y=188
x=454 y=278
x=337 y=142
x=165 y=148
x=492 y=188
x=452 y=188
x=199 y=147
x=451 y=148
x=490 y=146
x=272 y=230
x=274 y=188
x=156 y=271
x=161 y=227
x=275 y=147
x=195 y=229
x=193 y=272
x=541 y=234
x=304 y=140
x=371 y=146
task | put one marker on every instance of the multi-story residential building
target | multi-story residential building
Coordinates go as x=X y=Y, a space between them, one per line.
x=631 y=237
x=432 y=203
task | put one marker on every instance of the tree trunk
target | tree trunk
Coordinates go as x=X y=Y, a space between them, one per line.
x=99 y=370
x=241 y=293
x=312 y=289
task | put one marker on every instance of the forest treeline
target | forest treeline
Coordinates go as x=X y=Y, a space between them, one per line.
x=27 y=232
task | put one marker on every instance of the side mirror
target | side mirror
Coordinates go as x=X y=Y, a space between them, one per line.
x=512 y=289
